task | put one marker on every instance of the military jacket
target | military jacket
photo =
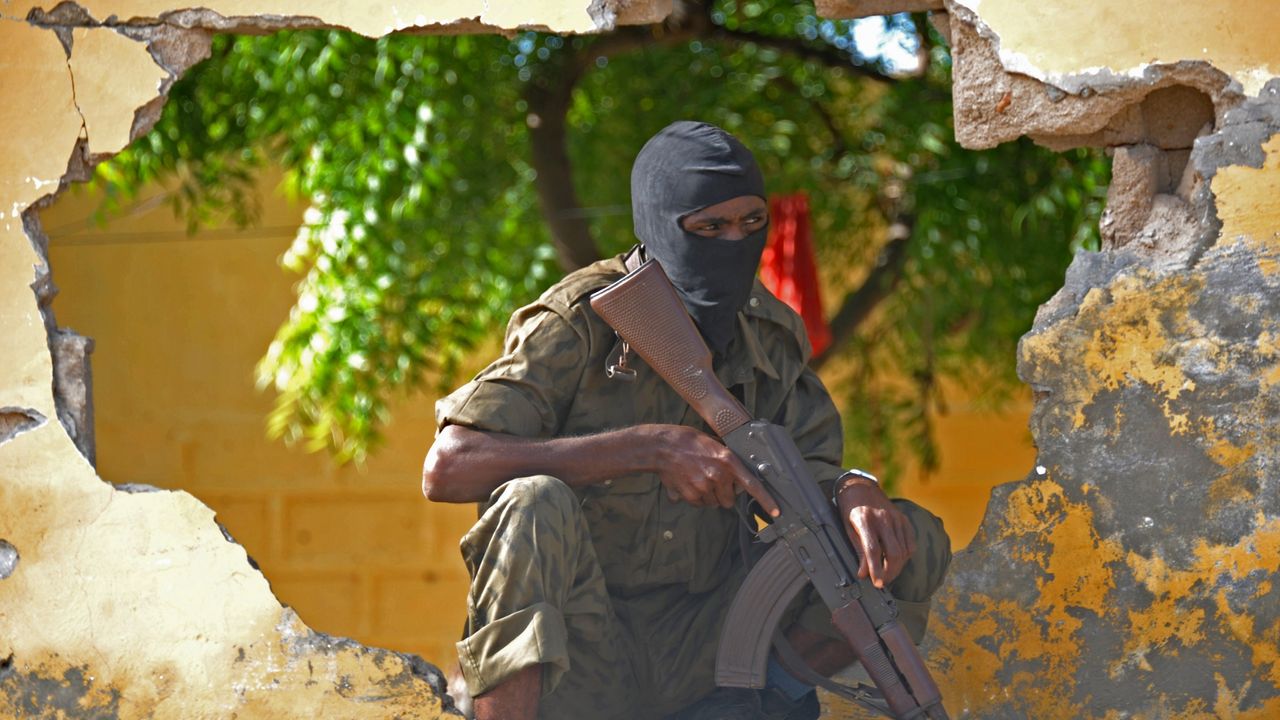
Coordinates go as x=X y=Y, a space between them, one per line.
x=551 y=382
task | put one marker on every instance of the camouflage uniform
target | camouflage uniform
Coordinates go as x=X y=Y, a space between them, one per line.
x=619 y=592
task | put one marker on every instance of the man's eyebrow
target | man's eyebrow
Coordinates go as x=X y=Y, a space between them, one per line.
x=707 y=219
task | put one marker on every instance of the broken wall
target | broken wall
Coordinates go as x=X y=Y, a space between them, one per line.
x=179 y=323
x=130 y=601
x=1130 y=575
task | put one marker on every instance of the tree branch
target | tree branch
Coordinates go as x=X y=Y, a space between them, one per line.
x=570 y=233
x=550 y=93
x=839 y=146
x=831 y=58
x=821 y=54
x=549 y=96
x=884 y=277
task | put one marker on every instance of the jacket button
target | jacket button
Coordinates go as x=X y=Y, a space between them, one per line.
x=754 y=302
x=667 y=535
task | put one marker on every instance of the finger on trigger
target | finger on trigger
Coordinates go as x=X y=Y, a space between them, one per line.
x=755 y=489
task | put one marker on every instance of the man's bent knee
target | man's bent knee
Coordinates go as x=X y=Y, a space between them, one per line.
x=542 y=493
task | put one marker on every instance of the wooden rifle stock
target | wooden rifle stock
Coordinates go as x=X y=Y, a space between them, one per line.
x=645 y=311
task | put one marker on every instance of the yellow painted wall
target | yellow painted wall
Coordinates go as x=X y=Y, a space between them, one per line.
x=179 y=323
x=979 y=449
x=1063 y=605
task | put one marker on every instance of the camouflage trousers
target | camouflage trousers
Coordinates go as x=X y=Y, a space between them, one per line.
x=538 y=596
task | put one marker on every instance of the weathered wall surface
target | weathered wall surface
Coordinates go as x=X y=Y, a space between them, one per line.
x=126 y=602
x=1132 y=573
x=372 y=19
x=178 y=324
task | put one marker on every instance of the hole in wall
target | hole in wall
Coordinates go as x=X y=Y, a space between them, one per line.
x=1172 y=118
x=180 y=322
x=8 y=559
x=1153 y=185
x=15 y=421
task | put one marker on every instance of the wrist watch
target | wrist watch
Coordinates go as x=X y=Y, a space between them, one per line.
x=852 y=473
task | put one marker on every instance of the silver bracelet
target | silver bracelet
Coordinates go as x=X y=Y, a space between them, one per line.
x=838 y=486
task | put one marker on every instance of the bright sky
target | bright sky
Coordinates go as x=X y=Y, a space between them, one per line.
x=875 y=40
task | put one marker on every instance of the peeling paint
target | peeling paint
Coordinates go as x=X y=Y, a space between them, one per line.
x=1246 y=202
x=1028 y=649
x=471 y=15
x=15 y=421
x=1132 y=344
x=1142 y=549
x=1132 y=574
x=70 y=693
x=1115 y=43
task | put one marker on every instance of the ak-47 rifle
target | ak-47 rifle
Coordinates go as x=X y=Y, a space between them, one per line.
x=648 y=315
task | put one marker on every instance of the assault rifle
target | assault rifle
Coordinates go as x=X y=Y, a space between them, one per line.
x=645 y=311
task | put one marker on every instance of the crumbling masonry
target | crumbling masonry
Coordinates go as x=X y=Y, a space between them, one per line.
x=1131 y=574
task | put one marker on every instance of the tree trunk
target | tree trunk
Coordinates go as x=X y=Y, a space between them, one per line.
x=549 y=96
x=857 y=305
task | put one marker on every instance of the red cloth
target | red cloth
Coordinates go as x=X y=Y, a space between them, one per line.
x=788 y=268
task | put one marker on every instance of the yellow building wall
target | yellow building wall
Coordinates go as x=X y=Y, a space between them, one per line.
x=1078 y=603
x=179 y=322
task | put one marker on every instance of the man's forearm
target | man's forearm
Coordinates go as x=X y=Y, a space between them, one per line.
x=466 y=465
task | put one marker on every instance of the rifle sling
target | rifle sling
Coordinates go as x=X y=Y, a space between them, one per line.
x=864 y=695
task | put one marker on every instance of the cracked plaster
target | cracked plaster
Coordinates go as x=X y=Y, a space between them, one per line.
x=994 y=104
x=371 y=20
x=1131 y=573
x=98 y=56
x=136 y=604
x=1114 y=43
x=1126 y=576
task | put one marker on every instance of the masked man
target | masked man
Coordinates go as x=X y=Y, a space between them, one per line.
x=608 y=551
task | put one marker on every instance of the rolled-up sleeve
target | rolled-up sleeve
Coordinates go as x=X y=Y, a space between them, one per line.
x=528 y=390
x=811 y=417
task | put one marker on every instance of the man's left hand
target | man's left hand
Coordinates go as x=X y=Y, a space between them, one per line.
x=880 y=532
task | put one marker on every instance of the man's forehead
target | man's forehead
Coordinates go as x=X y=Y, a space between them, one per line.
x=731 y=207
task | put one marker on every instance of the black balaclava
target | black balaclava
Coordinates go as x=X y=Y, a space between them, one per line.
x=684 y=168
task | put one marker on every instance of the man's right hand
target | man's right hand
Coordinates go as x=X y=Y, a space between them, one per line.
x=698 y=469
x=465 y=465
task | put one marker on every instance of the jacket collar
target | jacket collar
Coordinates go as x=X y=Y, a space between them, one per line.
x=746 y=352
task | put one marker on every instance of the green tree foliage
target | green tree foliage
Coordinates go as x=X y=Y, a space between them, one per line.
x=451 y=179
